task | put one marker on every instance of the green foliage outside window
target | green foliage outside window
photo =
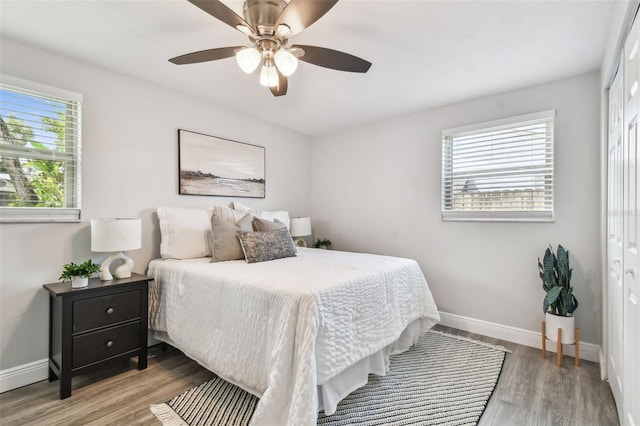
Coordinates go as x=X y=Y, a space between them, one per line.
x=45 y=178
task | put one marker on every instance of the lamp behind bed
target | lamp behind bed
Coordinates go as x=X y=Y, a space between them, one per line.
x=300 y=227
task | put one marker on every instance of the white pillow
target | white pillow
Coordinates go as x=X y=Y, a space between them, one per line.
x=281 y=215
x=185 y=233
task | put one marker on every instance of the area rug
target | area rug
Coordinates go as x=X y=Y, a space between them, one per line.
x=442 y=380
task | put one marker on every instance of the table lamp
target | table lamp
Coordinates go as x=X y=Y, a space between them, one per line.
x=300 y=227
x=116 y=236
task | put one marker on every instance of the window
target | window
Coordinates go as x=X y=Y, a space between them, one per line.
x=500 y=170
x=39 y=152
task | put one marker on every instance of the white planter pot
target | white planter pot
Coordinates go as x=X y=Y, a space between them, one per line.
x=567 y=324
x=79 y=282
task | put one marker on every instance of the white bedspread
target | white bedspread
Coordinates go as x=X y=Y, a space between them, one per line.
x=281 y=328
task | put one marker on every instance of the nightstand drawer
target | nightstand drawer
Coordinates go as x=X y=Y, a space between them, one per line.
x=93 y=347
x=105 y=310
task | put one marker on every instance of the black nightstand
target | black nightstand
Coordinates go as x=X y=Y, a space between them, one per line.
x=103 y=321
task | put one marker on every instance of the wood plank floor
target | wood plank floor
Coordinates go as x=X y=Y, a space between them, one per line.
x=531 y=391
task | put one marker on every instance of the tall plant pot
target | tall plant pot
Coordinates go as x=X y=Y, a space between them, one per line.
x=567 y=324
x=560 y=328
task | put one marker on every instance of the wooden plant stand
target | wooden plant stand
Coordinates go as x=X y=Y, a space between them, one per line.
x=559 y=351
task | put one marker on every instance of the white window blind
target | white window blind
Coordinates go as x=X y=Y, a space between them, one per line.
x=500 y=170
x=39 y=152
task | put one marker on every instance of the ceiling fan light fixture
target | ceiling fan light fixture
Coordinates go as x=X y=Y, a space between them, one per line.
x=269 y=24
x=248 y=59
x=286 y=62
x=283 y=31
x=268 y=74
x=244 y=29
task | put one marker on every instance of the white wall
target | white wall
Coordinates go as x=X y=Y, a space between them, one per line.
x=376 y=189
x=129 y=167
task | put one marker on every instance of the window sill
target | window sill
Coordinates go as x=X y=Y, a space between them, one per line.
x=38 y=215
x=497 y=216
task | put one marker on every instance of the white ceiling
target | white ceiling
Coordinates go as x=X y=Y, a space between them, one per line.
x=424 y=53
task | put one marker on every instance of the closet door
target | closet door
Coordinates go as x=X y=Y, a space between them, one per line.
x=631 y=232
x=614 y=240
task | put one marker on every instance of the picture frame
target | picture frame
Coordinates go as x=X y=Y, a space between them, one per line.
x=209 y=165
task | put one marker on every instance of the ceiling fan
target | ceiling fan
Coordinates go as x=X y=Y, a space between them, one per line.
x=269 y=24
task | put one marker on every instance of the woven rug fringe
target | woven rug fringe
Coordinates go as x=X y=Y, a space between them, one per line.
x=167 y=416
x=469 y=339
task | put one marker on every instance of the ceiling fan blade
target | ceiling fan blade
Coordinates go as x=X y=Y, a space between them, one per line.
x=300 y=14
x=333 y=59
x=205 y=55
x=281 y=88
x=219 y=11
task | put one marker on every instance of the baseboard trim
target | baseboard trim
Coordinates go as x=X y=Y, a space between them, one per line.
x=23 y=375
x=588 y=351
x=26 y=374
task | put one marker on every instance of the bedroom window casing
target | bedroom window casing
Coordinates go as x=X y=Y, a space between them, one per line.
x=500 y=170
x=39 y=152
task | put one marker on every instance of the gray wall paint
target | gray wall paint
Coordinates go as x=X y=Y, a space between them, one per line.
x=376 y=189
x=129 y=160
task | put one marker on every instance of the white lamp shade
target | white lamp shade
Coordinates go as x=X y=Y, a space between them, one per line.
x=300 y=226
x=268 y=74
x=245 y=30
x=108 y=235
x=248 y=59
x=283 y=31
x=286 y=62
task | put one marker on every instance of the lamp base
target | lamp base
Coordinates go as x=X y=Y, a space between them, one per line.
x=122 y=271
x=300 y=242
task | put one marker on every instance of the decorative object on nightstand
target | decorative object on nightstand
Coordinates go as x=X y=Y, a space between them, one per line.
x=559 y=303
x=79 y=274
x=103 y=321
x=322 y=243
x=116 y=236
x=300 y=227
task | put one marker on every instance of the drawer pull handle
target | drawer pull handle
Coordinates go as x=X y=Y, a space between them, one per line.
x=110 y=343
x=110 y=311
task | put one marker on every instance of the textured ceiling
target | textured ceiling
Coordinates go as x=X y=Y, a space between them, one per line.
x=424 y=53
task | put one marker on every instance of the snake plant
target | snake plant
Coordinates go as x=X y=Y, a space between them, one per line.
x=556 y=282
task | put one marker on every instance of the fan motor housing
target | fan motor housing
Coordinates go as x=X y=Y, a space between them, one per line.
x=263 y=13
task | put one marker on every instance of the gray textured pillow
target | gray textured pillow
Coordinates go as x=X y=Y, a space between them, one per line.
x=264 y=225
x=225 y=237
x=270 y=245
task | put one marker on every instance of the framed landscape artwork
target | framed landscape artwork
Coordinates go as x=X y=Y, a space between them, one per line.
x=209 y=165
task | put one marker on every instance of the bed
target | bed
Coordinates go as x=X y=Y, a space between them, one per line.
x=299 y=332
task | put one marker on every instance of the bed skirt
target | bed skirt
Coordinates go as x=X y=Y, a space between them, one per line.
x=336 y=388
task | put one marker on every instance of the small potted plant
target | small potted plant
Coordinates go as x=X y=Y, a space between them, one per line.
x=322 y=244
x=559 y=302
x=79 y=274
